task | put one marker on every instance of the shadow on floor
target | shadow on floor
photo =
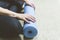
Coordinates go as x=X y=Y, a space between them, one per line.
x=14 y=38
x=10 y=38
x=27 y=39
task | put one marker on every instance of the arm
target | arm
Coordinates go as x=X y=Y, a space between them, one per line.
x=7 y=12
x=24 y=17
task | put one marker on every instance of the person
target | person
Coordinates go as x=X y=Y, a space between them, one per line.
x=9 y=16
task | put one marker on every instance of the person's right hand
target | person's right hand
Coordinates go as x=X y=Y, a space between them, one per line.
x=26 y=17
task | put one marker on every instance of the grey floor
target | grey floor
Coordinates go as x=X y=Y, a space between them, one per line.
x=48 y=19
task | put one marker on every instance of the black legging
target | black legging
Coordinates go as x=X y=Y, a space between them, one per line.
x=8 y=25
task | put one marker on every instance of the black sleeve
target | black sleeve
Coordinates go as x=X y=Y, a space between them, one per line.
x=4 y=4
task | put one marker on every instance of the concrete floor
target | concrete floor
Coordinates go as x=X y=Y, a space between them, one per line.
x=48 y=20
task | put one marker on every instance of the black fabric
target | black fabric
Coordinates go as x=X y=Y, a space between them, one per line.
x=10 y=26
x=11 y=4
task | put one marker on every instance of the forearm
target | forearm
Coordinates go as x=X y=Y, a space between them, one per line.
x=7 y=12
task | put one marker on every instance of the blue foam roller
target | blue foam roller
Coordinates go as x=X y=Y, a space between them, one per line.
x=30 y=29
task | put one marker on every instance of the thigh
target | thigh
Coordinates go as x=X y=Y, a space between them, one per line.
x=9 y=25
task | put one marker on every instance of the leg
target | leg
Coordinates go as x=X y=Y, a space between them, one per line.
x=9 y=26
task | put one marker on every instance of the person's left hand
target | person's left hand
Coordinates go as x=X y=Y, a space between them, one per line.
x=30 y=3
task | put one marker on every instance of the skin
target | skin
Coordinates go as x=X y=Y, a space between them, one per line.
x=30 y=3
x=24 y=17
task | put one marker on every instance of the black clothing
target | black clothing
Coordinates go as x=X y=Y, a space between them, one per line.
x=10 y=26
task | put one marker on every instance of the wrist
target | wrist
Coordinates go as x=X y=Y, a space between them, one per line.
x=13 y=14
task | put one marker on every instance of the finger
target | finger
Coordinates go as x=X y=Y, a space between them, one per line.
x=26 y=20
x=29 y=15
x=32 y=5
x=30 y=19
x=33 y=18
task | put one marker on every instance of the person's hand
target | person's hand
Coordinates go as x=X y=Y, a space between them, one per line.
x=30 y=3
x=26 y=17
